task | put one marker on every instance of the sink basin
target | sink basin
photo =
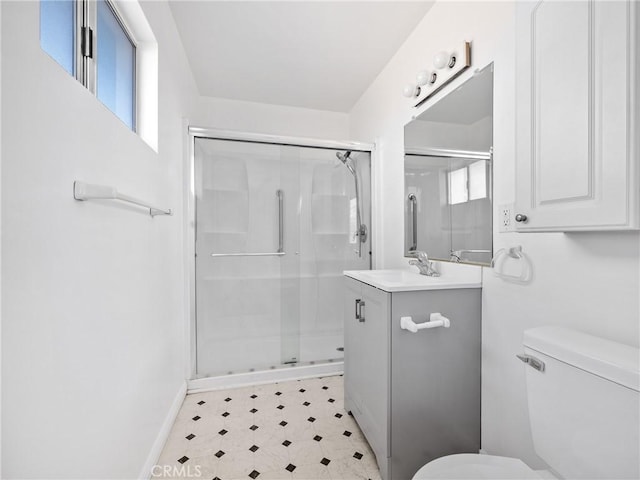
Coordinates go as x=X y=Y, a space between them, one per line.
x=404 y=280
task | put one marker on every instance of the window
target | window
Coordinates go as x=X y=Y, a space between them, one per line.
x=458 y=192
x=57 y=31
x=468 y=183
x=116 y=58
x=478 y=180
x=89 y=39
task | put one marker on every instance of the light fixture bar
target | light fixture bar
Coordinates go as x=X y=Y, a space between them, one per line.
x=447 y=66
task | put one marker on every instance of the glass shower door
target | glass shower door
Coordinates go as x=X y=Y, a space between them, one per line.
x=328 y=246
x=244 y=264
x=275 y=229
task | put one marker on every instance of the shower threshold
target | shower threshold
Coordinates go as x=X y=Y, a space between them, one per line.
x=280 y=373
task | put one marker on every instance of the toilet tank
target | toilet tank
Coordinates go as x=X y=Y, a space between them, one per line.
x=584 y=408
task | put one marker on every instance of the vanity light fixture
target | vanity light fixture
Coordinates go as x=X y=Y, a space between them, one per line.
x=410 y=90
x=444 y=59
x=451 y=63
x=423 y=78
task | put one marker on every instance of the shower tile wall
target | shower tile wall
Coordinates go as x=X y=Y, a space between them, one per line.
x=256 y=312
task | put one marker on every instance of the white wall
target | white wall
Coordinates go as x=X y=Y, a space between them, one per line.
x=588 y=281
x=252 y=117
x=92 y=292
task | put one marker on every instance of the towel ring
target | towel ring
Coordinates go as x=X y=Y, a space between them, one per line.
x=517 y=254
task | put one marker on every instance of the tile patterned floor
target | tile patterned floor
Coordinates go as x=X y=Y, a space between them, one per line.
x=286 y=430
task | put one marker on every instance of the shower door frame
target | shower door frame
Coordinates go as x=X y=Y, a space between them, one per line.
x=193 y=133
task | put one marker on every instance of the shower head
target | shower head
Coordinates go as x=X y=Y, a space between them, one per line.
x=344 y=157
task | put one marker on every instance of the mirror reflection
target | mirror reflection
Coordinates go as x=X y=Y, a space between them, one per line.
x=448 y=175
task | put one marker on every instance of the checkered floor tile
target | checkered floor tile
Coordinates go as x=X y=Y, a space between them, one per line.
x=287 y=430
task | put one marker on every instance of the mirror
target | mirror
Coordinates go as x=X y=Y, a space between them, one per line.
x=448 y=175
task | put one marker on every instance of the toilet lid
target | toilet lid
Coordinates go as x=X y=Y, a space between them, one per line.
x=472 y=466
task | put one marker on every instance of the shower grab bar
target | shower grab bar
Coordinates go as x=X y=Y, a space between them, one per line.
x=413 y=209
x=280 y=195
x=86 y=191
x=280 y=252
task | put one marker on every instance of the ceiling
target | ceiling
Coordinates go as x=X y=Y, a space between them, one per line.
x=312 y=54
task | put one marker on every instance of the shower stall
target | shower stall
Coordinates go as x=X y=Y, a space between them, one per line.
x=275 y=223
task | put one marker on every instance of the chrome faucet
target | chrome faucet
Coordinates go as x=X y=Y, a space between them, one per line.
x=424 y=264
x=457 y=255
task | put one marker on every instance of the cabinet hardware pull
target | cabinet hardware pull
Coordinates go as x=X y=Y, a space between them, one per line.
x=361 y=315
x=521 y=218
x=357 y=309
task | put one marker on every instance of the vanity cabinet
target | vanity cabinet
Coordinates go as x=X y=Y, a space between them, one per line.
x=415 y=396
x=577 y=115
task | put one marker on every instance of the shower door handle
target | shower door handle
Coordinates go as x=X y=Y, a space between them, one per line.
x=413 y=210
x=280 y=195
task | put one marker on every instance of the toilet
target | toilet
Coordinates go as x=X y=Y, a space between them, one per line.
x=584 y=410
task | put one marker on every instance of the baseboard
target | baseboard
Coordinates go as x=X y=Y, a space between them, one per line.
x=163 y=434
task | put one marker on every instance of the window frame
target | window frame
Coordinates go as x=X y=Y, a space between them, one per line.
x=467 y=182
x=86 y=66
x=127 y=32
x=131 y=17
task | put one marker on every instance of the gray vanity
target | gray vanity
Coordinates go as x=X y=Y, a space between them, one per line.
x=416 y=396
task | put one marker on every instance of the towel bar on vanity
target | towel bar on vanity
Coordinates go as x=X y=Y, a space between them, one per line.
x=435 y=320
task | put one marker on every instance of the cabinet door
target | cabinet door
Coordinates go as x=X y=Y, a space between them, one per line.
x=576 y=120
x=353 y=360
x=375 y=344
x=435 y=379
x=366 y=365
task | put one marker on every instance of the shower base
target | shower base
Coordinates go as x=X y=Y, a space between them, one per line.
x=296 y=371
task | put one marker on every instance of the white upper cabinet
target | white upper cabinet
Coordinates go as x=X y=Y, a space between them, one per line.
x=577 y=115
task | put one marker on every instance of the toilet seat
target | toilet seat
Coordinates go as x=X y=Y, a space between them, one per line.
x=473 y=466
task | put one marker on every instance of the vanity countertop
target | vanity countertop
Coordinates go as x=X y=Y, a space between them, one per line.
x=408 y=280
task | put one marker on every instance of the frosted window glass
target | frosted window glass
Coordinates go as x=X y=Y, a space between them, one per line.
x=57 y=31
x=477 y=180
x=116 y=63
x=458 y=186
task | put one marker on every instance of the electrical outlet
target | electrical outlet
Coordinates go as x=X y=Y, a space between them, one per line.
x=505 y=218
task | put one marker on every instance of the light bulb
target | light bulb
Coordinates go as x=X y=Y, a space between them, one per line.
x=441 y=60
x=423 y=77
x=411 y=90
